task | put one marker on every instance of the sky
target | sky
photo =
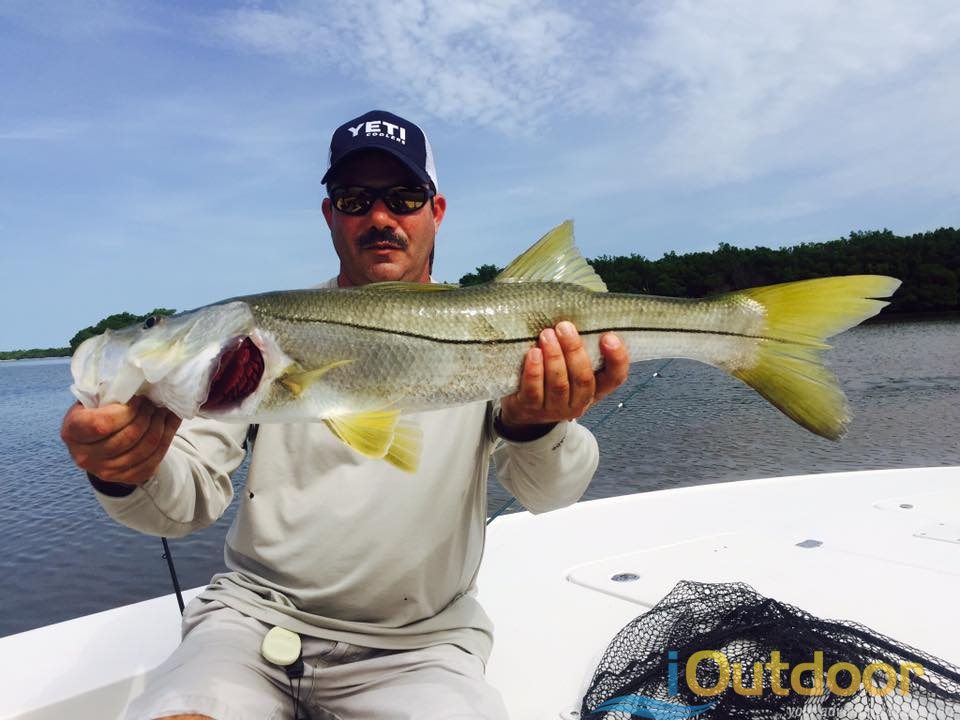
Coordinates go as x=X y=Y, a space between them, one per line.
x=169 y=154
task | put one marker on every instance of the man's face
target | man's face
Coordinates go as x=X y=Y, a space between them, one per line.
x=381 y=245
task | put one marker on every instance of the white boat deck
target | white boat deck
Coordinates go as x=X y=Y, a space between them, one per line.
x=886 y=554
x=889 y=559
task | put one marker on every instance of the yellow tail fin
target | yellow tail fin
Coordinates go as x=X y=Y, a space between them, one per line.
x=800 y=316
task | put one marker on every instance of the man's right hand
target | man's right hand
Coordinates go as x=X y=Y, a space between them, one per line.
x=119 y=443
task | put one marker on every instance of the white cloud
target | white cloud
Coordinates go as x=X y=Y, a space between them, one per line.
x=754 y=87
x=498 y=63
x=696 y=93
x=273 y=32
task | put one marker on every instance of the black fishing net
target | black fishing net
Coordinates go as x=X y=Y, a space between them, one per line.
x=709 y=651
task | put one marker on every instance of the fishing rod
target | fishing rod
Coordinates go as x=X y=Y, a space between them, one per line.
x=173 y=573
x=656 y=373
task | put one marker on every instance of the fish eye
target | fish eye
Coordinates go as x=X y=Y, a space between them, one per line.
x=151 y=321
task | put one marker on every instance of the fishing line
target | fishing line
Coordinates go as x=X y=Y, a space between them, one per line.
x=656 y=373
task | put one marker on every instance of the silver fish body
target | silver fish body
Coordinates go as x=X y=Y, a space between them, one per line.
x=420 y=351
x=357 y=358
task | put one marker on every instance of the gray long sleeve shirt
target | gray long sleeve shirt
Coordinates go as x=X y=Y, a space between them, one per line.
x=329 y=544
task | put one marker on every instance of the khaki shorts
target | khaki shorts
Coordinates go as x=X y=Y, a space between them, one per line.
x=218 y=671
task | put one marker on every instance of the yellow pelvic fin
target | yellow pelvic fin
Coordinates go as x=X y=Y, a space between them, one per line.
x=800 y=316
x=370 y=434
x=381 y=434
x=553 y=258
x=299 y=380
x=407 y=446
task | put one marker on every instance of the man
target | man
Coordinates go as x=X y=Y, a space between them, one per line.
x=368 y=571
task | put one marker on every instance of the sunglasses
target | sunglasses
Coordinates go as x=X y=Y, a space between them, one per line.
x=357 y=199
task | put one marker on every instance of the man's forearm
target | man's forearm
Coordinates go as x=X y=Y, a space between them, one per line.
x=190 y=489
x=552 y=471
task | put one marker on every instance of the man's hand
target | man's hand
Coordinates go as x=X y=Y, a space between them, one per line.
x=557 y=382
x=119 y=443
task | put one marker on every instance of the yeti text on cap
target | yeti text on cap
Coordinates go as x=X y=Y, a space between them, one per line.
x=372 y=128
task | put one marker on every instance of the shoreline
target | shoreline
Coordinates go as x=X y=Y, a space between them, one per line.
x=34 y=359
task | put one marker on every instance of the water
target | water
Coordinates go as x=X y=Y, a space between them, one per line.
x=61 y=556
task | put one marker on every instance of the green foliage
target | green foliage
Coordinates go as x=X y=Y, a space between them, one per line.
x=114 y=322
x=484 y=273
x=927 y=263
x=34 y=353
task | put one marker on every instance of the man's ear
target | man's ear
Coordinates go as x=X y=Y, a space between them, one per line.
x=327 y=208
x=439 y=209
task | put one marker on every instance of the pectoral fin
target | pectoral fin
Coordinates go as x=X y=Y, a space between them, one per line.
x=370 y=434
x=297 y=381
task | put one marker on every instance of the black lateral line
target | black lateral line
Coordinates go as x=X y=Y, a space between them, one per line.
x=532 y=338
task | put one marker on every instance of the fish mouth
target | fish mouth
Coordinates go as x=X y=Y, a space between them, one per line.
x=238 y=373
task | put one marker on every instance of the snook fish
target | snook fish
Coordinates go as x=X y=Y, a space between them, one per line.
x=357 y=358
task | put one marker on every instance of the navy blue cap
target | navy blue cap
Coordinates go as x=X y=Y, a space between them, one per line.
x=381 y=130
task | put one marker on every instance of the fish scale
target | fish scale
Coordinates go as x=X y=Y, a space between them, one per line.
x=421 y=351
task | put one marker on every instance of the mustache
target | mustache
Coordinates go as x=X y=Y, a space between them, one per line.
x=376 y=236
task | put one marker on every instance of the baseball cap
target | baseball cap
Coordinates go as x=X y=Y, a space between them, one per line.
x=381 y=130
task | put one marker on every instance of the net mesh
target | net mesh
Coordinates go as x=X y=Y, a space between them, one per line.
x=633 y=678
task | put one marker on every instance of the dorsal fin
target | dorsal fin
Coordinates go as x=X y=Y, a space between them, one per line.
x=553 y=258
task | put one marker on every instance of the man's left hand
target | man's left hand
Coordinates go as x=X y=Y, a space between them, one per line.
x=557 y=382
